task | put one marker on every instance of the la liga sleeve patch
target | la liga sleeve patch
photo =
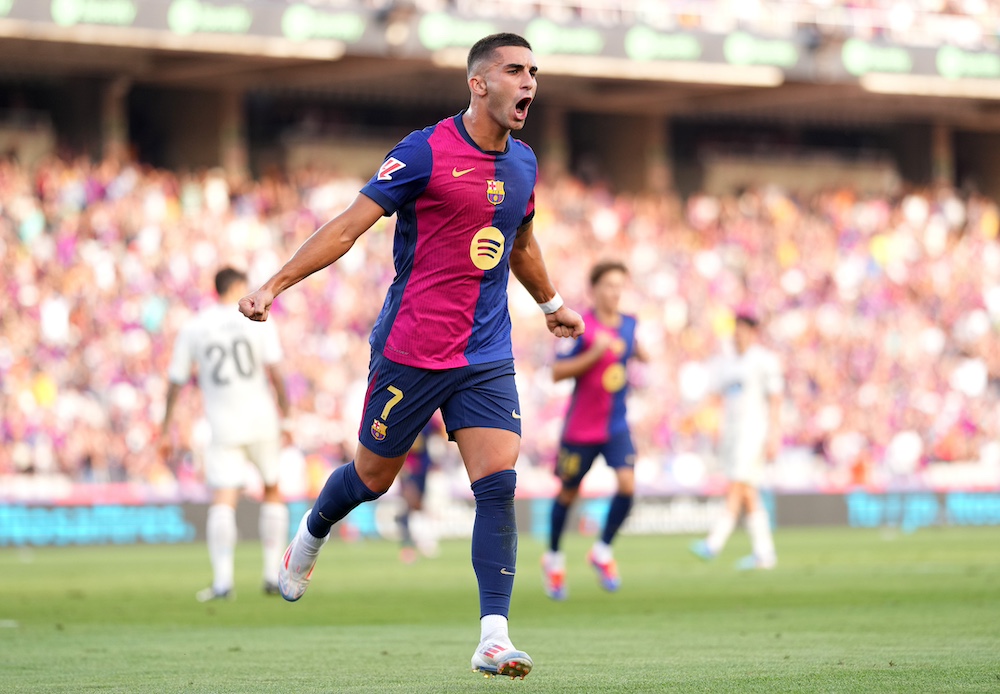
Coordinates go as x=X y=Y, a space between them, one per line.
x=388 y=168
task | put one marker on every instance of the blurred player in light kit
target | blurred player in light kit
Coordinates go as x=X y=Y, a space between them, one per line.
x=750 y=383
x=595 y=424
x=463 y=194
x=237 y=367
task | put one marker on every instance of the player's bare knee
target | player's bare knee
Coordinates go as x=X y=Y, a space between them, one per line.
x=375 y=471
x=568 y=495
x=626 y=482
x=226 y=497
x=486 y=451
x=378 y=481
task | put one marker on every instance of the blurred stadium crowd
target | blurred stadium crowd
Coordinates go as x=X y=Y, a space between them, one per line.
x=883 y=307
x=967 y=23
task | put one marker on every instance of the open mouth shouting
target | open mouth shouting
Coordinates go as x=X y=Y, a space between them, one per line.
x=521 y=108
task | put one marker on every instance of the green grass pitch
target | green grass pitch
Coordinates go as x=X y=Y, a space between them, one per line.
x=845 y=611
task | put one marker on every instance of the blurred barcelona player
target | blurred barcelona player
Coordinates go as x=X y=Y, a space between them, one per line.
x=595 y=424
x=463 y=192
x=416 y=534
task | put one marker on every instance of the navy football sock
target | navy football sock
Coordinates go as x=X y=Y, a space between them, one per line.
x=405 y=536
x=342 y=492
x=617 y=513
x=558 y=522
x=494 y=541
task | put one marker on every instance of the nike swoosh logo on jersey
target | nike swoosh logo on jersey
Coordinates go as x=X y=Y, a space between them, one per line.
x=505 y=572
x=514 y=414
x=456 y=173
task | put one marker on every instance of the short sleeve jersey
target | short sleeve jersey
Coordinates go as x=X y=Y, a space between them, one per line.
x=597 y=407
x=746 y=382
x=458 y=209
x=229 y=354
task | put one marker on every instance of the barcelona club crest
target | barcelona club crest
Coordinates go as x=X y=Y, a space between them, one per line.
x=378 y=430
x=494 y=192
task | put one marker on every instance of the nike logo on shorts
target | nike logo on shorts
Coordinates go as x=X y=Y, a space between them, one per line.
x=505 y=572
x=456 y=173
x=514 y=414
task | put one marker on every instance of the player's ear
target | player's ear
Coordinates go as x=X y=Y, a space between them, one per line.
x=477 y=85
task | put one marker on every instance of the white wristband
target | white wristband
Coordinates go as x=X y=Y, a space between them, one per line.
x=552 y=305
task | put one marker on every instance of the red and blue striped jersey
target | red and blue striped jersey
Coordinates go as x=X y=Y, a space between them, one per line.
x=597 y=408
x=458 y=209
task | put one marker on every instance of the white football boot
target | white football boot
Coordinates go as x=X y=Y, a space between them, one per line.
x=493 y=658
x=298 y=563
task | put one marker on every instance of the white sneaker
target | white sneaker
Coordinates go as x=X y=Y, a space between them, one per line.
x=492 y=658
x=554 y=575
x=297 y=565
x=209 y=594
x=753 y=563
x=607 y=572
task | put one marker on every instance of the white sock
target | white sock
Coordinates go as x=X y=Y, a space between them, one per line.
x=493 y=627
x=554 y=561
x=759 y=527
x=602 y=552
x=720 y=532
x=221 y=532
x=273 y=537
x=309 y=543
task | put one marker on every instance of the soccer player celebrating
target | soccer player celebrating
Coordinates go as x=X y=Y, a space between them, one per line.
x=750 y=383
x=235 y=361
x=463 y=194
x=595 y=424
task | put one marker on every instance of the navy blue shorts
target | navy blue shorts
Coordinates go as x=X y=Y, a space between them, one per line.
x=575 y=459
x=417 y=480
x=401 y=400
x=415 y=469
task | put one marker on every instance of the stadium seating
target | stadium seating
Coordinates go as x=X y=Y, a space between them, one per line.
x=885 y=335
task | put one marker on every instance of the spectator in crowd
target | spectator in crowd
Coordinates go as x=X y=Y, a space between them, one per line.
x=968 y=23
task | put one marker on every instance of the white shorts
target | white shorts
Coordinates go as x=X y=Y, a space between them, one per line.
x=743 y=461
x=226 y=466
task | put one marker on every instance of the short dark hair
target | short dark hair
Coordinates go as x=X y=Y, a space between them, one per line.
x=485 y=47
x=226 y=278
x=604 y=267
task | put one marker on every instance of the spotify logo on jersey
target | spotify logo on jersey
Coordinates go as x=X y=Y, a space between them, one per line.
x=613 y=379
x=487 y=248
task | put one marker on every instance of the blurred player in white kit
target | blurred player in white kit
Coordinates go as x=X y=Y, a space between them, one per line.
x=237 y=365
x=750 y=383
